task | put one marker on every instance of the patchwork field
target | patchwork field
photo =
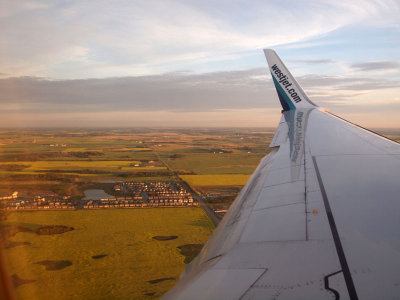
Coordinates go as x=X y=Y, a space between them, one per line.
x=65 y=165
x=215 y=164
x=68 y=162
x=109 y=254
x=216 y=180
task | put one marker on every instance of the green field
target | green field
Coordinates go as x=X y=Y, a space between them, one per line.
x=132 y=258
x=132 y=149
x=80 y=150
x=213 y=161
x=216 y=180
x=65 y=165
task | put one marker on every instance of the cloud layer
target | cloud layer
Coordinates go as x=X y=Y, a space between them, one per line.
x=175 y=92
x=376 y=65
x=95 y=39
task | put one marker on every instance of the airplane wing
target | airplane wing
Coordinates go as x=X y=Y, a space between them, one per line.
x=318 y=219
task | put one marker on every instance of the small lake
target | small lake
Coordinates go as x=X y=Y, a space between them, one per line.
x=96 y=194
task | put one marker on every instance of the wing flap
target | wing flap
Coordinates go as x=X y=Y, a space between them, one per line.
x=281 y=134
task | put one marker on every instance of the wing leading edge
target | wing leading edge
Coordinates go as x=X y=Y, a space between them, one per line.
x=318 y=219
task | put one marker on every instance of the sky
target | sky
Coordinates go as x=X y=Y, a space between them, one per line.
x=172 y=63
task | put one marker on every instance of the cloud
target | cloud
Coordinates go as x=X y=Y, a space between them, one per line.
x=242 y=98
x=168 y=92
x=86 y=39
x=348 y=82
x=313 y=61
x=11 y=8
x=173 y=92
x=377 y=65
x=224 y=118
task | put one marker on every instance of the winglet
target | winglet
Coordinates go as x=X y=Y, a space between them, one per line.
x=290 y=93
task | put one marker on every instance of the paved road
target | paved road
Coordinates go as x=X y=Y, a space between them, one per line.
x=213 y=216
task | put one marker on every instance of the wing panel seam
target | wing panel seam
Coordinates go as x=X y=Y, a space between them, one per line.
x=338 y=244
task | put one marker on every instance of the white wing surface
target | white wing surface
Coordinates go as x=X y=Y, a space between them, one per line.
x=318 y=219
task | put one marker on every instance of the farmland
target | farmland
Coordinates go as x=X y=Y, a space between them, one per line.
x=211 y=161
x=65 y=165
x=114 y=249
x=216 y=180
x=115 y=253
x=111 y=253
x=68 y=162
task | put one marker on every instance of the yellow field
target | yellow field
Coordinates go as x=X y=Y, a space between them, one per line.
x=216 y=180
x=123 y=236
x=36 y=173
x=143 y=168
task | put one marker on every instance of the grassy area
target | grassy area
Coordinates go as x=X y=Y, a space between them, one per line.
x=132 y=149
x=81 y=150
x=225 y=170
x=216 y=180
x=148 y=168
x=126 y=257
x=213 y=160
x=48 y=165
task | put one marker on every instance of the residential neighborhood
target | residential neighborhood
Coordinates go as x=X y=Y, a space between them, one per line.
x=130 y=195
